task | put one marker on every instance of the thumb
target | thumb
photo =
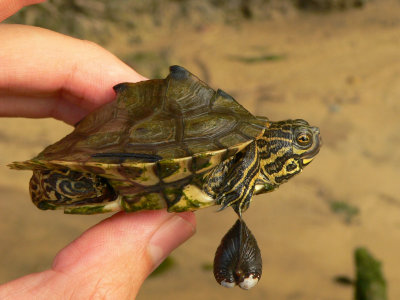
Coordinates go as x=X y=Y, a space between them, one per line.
x=116 y=255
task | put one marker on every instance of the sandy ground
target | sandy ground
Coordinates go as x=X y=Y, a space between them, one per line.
x=339 y=71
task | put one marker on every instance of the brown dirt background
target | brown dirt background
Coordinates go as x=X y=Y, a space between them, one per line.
x=338 y=70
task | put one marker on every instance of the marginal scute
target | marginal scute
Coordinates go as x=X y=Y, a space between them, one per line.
x=171 y=151
x=172 y=195
x=147 y=176
x=192 y=199
x=166 y=168
x=200 y=146
x=201 y=162
x=127 y=187
x=132 y=172
x=175 y=170
x=144 y=201
x=86 y=210
x=205 y=161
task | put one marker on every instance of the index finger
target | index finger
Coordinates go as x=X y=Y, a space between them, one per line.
x=47 y=74
x=9 y=7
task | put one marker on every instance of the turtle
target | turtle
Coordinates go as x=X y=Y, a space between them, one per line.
x=174 y=144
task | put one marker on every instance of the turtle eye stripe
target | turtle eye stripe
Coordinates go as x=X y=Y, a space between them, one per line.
x=141 y=156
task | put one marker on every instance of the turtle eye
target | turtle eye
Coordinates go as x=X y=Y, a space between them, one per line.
x=304 y=139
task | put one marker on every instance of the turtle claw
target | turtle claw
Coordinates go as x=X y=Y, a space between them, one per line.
x=237 y=205
x=223 y=206
x=226 y=201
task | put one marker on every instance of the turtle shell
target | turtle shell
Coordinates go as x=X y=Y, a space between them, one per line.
x=156 y=134
x=163 y=119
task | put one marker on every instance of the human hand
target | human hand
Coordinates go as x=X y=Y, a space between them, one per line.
x=9 y=7
x=109 y=261
x=46 y=74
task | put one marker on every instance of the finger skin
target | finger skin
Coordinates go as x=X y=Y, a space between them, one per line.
x=9 y=7
x=47 y=74
x=108 y=261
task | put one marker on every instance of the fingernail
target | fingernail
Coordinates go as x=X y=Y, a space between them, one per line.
x=170 y=235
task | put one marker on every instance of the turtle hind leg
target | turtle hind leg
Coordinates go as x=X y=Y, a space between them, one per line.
x=75 y=192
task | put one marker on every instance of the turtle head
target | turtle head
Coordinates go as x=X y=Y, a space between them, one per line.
x=306 y=141
x=285 y=149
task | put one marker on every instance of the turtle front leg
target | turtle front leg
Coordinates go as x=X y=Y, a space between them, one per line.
x=240 y=180
x=75 y=192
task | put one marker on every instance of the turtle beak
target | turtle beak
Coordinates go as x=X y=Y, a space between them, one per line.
x=306 y=161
